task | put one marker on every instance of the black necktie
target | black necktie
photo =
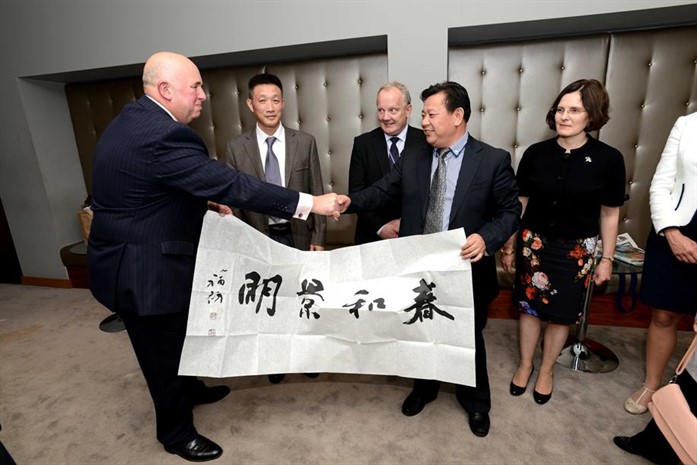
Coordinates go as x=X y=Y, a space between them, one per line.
x=394 y=151
x=436 y=198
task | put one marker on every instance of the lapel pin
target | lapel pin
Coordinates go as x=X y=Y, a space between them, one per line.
x=588 y=160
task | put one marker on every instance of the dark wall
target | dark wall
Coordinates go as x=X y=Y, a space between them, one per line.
x=10 y=271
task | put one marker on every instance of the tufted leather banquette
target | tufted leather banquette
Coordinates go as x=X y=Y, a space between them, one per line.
x=651 y=76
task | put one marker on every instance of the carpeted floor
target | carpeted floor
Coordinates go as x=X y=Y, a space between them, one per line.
x=71 y=394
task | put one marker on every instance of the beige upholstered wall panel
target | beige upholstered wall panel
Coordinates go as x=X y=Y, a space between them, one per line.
x=512 y=85
x=92 y=107
x=652 y=80
x=651 y=77
x=332 y=99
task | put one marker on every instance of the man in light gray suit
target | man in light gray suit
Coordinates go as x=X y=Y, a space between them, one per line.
x=266 y=151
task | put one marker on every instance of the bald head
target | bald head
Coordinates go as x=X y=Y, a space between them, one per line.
x=175 y=82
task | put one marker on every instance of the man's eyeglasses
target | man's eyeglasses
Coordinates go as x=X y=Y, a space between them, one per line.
x=573 y=111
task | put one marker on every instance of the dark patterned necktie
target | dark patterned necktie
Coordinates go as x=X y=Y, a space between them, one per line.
x=394 y=151
x=272 y=171
x=436 y=198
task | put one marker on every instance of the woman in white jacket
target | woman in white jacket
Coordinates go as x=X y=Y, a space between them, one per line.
x=669 y=283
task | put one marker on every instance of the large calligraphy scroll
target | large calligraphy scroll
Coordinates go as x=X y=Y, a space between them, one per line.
x=400 y=307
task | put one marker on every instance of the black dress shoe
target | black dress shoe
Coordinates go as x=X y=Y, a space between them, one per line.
x=516 y=390
x=275 y=379
x=200 y=449
x=479 y=423
x=414 y=404
x=626 y=444
x=211 y=395
x=541 y=398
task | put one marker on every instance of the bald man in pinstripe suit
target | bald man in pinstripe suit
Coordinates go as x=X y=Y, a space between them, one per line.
x=153 y=181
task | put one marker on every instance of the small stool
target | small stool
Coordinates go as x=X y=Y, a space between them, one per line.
x=74 y=257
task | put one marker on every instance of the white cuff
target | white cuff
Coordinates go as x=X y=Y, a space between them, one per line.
x=304 y=208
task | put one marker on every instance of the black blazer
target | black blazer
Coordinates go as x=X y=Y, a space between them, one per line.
x=152 y=178
x=369 y=163
x=486 y=202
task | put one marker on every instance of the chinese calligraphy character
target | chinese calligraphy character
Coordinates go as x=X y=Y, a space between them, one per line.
x=358 y=304
x=424 y=307
x=310 y=289
x=267 y=286
x=219 y=279
x=215 y=297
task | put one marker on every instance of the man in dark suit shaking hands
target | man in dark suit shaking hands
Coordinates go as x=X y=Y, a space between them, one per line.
x=455 y=182
x=152 y=184
x=375 y=152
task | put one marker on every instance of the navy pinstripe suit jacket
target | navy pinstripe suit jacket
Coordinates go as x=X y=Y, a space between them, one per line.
x=152 y=178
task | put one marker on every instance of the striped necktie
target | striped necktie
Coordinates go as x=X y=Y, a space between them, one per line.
x=436 y=198
x=394 y=151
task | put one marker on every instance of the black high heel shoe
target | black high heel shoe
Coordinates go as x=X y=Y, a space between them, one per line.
x=516 y=390
x=541 y=398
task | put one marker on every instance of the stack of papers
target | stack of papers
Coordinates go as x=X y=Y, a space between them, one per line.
x=626 y=250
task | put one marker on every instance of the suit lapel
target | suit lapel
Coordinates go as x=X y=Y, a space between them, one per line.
x=472 y=158
x=252 y=148
x=291 y=153
x=380 y=151
x=424 y=161
x=411 y=138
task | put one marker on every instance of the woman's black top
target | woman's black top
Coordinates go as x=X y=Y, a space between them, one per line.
x=565 y=191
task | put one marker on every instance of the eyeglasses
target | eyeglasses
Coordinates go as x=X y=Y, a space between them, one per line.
x=573 y=111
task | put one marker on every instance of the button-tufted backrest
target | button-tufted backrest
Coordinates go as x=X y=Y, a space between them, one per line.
x=650 y=76
x=332 y=99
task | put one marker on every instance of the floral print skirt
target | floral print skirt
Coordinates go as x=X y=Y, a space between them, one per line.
x=552 y=276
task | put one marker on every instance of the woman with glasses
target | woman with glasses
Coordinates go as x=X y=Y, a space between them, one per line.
x=571 y=187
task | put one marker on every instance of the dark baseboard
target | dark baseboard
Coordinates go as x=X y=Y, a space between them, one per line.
x=46 y=282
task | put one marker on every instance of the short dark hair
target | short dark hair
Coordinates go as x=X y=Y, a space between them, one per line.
x=455 y=96
x=264 y=78
x=595 y=100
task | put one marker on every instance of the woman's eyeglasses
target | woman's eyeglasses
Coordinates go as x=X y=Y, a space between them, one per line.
x=573 y=111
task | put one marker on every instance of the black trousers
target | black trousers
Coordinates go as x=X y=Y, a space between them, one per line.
x=157 y=342
x=472 y=399
x=282 y=233
x=654 y=445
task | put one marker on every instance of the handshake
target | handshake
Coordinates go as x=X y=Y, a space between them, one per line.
x=332 y=205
